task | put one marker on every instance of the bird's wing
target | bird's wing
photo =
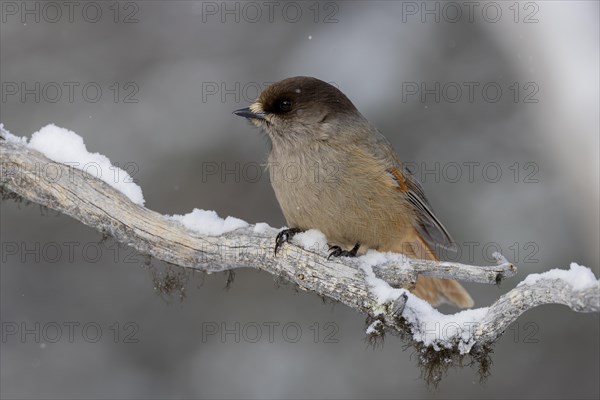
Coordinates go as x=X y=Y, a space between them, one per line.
x=428 y=226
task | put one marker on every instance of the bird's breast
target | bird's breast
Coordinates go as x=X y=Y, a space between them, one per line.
x=342 y=194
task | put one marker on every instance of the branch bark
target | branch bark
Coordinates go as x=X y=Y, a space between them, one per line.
x=23 y=171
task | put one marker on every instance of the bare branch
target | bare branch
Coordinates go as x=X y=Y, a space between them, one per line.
x=525 y=297
x=98 y=205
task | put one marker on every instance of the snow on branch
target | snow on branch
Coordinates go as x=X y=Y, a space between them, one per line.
x=373 y=284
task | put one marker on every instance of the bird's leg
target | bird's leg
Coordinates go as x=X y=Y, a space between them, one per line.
x=284 y=236
x=336 y=251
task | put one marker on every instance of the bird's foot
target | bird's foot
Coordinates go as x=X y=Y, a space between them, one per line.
x=284 y=236
x=336 y=251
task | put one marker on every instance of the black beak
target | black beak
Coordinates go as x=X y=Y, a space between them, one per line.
x=247 y=113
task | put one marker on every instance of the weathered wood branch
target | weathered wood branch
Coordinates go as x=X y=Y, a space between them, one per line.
x=23 y=171
x=509 y=307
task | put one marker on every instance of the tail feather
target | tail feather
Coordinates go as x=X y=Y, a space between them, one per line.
x=435 y=290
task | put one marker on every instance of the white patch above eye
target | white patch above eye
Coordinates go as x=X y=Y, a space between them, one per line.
x=256 y=107
x=298 y=90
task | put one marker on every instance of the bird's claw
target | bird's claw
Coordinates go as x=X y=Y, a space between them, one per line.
x=284 y=236
x=336 y=251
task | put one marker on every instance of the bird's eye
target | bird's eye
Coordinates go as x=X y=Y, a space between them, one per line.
x=285 y=105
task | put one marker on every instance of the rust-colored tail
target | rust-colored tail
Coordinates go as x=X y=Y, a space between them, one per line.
x=435 y=290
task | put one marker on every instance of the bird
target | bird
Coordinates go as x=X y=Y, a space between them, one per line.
x=333 y=171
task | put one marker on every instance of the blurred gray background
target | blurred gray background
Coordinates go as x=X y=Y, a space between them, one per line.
x=187 y=65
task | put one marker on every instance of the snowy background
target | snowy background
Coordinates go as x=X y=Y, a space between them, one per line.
x=171 y=73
